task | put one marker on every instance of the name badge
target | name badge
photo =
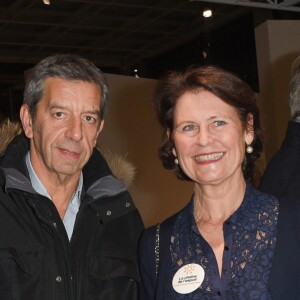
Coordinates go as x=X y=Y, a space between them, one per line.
x=188 y=278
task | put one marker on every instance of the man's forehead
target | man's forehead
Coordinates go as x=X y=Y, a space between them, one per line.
x=71 y=90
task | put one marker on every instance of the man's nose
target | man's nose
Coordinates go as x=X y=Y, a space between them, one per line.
x=74 y=130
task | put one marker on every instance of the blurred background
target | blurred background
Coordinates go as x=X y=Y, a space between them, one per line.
x=135 y=42
x=142 y=38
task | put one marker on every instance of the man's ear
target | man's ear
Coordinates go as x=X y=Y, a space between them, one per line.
x=98 y=132
x=100 y=127
x=26 y=120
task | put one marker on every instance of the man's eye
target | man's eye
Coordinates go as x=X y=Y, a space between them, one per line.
x=58 y=114
x=90 y=119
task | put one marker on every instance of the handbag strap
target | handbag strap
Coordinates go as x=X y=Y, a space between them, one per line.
x=156 y=249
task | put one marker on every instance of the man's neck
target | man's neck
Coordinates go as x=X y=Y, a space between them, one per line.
x=59 y=194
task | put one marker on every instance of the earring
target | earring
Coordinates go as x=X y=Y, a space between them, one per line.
x=249 y=149
x=176 y=162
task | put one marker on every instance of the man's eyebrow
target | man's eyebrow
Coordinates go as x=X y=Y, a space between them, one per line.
x=90 y=111
x=56 y=105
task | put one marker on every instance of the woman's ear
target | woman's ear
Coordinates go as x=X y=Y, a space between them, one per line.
x=174 y=151
x=168 y=133
x=169 y=137
x=249 y=133
x=26 y=120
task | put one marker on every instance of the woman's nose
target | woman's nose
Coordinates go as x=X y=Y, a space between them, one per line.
x=203 y=137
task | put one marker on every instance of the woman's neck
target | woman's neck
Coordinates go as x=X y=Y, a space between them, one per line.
x=216 y=203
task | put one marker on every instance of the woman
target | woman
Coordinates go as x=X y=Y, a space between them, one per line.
x=220 y=246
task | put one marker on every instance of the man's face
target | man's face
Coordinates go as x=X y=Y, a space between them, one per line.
x=65 y=128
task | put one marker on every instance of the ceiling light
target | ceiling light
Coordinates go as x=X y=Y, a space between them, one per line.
x=47 y=2
x=207 y=13
x=136 y=73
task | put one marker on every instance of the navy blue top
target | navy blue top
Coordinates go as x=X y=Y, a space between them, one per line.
x=250 y=238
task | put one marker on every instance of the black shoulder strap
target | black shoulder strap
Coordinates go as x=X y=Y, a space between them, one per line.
x=156 y=249
x=162 y=242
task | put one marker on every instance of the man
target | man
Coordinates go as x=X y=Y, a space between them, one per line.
x=282 y=179
x=282 y=175
x=68 y=228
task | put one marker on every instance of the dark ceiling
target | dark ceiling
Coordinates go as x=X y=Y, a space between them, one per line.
x=120 y=35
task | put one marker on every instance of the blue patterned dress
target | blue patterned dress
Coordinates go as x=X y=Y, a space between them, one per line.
x=250 y=238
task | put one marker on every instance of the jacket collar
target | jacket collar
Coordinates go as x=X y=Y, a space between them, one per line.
x=97 y=177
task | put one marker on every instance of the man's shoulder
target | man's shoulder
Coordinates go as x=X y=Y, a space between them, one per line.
x=285 y=275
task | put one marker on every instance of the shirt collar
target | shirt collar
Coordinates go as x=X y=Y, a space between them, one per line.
x=243 y=217
x=247 y=214
x=40 y=188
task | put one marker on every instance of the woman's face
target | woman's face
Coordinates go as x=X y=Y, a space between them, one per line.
x=209 y=138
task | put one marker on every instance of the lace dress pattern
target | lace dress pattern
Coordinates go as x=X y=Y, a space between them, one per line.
x=250 y=238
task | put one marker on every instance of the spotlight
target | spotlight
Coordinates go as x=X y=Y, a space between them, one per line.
x=207 y=13
x=136 y=73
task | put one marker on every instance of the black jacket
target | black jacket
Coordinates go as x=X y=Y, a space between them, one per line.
x=282 y=179
x=282 y=175
x=37 y=260
x=285 y=273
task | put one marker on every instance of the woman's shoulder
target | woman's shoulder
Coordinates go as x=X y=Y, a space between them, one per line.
x=154 y=240
x=260 y=197
x=164 y=226
x=260 y=205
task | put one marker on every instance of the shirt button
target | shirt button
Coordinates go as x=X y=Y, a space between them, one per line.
x=127 y=204
x=226 y=248
x=58 y=279
x=108 y=213
x=219 y=293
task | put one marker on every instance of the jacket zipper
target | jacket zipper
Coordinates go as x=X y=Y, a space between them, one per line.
x=54 y=226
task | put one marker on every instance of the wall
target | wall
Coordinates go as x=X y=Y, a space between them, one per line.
x=132 y=130
x=277 y=45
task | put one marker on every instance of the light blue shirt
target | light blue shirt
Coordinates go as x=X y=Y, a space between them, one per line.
x=73 y=206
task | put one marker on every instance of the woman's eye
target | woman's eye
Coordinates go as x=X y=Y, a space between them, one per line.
x=219 y=123
x=189 y=127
